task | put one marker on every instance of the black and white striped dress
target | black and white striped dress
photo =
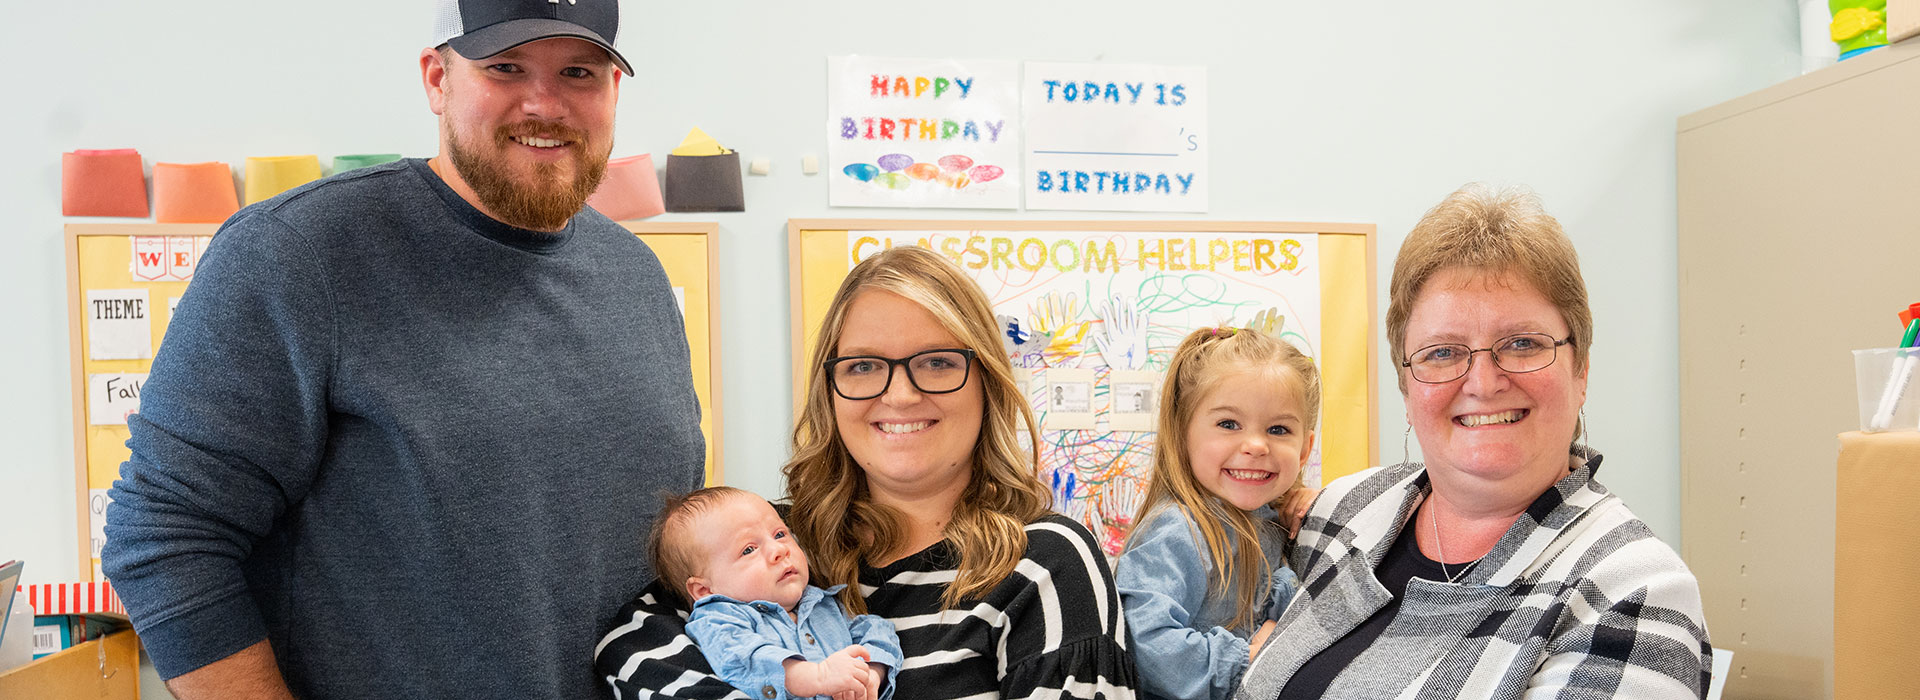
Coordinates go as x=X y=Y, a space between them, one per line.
x=1052 y=629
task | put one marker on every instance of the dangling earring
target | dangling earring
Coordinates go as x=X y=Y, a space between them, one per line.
x=1405 y=456
x=1586 y=441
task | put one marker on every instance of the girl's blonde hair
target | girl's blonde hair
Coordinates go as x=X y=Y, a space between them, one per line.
x=834 y=515
x=1232 y=538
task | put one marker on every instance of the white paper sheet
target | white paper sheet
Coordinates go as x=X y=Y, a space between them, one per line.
x=913 y=132
x=1068 y=399
x=97 y=501
x=113 y=397
x=1115 y=137
x=119 y=324
x=1134 y=399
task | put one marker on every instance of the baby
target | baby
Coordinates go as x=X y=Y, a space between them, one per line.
x=756 y=618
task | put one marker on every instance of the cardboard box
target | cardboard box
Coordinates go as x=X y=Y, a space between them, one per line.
x=1876 y=566
x=1903 y=20
x=103 y=669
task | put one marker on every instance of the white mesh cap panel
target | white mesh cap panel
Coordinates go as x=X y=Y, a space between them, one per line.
x=446 y=21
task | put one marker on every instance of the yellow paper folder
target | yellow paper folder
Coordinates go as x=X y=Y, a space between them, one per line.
x=102 y=183
x=193 y=193
x=630 y=190
x=271 y=175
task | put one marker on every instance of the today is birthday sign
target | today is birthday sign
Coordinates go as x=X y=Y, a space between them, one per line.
x=923 y=132
x=1116 y=137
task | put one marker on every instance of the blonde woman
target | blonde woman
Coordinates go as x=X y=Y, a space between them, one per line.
x=909 y=485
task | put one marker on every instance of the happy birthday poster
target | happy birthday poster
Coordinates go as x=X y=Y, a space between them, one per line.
x=904 y=132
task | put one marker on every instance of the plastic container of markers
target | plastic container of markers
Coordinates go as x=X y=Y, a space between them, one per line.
x=1889 y=384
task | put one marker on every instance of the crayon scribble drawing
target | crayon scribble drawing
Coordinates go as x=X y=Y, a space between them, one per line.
x=1121 y=302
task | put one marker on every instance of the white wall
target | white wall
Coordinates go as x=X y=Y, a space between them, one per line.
x=1321 y=112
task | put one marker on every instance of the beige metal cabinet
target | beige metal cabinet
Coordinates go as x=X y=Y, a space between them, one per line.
x=1799 y=239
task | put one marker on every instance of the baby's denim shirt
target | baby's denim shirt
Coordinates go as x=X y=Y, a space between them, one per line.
x=748 y=644
x=1180 y=643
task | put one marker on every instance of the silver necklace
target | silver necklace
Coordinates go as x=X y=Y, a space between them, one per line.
x=1433 y=518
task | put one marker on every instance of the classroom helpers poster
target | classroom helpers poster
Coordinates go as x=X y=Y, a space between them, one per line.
x=1115 y=137
x=1090 y=320
x=908 y=132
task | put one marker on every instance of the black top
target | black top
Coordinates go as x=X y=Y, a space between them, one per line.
x=1402 y=563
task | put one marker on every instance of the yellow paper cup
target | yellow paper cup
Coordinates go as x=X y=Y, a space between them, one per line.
x=270 y=175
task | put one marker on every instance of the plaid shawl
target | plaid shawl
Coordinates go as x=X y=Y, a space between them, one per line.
x=1577 y=600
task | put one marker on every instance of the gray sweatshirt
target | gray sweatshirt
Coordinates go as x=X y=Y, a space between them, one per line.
x=417 y=449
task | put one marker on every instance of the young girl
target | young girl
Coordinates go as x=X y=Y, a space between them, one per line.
x=1204 y=572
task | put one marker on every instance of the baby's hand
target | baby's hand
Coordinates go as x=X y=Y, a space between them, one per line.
x=842 y=675
x=874 y=679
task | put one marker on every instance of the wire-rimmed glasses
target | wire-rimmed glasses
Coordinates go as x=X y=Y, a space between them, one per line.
x=1519 y=353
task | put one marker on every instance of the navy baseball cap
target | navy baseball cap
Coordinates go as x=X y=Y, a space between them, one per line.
x=481 y=28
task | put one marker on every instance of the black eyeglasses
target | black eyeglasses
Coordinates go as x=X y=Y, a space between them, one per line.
x=1516 y=354
x=861 y=377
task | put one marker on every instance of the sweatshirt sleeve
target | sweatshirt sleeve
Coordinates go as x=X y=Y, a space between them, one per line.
x=232 y=423
x=1162 y=579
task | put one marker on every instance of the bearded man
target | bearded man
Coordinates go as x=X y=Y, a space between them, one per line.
x=406 y=432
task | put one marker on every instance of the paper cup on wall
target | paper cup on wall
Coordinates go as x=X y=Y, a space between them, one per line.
x=704 y=183
x=357 y=161
x=193 y=193
x=630 y=190
x=102 y=183
x=271 y=175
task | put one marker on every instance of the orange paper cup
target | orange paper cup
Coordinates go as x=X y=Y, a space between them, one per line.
x=193 y=193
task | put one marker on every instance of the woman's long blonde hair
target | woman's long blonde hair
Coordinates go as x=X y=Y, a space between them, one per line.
x=1232 y=538
x=833 y=513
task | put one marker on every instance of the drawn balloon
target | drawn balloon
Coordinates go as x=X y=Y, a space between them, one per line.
x=895 y=162
x=923 y=171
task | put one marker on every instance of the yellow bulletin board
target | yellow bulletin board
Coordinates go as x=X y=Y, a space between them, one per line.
x=157 y=259
x=1180 y=274
x=690 y=252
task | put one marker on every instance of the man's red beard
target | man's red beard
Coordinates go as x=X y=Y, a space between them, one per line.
x=543 y=203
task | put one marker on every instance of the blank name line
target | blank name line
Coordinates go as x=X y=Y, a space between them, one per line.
x=1105 y=153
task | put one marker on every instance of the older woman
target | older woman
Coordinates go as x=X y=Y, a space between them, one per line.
x=909 y=484
x=1500 y=567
